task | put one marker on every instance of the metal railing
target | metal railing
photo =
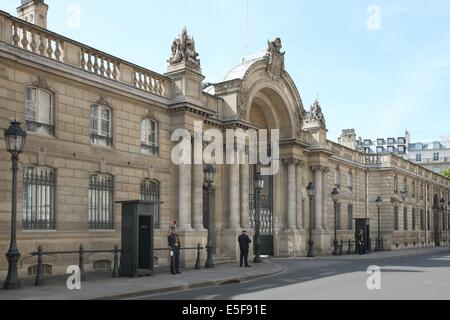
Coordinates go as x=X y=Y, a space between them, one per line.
x=40 y=253
x=198 y=248
x=81 y=252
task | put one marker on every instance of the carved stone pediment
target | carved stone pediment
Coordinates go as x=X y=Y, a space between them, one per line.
x=41 y=83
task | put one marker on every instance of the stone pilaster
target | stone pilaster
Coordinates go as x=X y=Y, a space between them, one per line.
x=234 y=212
x=184 y=196
x=197 y=197
x=300 y=213
x=245 y=191
x=292 y=193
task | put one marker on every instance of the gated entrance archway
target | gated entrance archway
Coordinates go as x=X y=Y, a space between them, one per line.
x=266 y=213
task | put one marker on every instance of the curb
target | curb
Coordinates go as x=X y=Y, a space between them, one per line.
x=412 y=254
x=197 y=285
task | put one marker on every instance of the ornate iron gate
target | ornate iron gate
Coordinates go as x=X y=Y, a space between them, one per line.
x=266 y=213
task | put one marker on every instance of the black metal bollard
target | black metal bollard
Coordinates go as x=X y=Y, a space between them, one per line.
x=382 y=244
x=341 y=249
x=116 y=262
x=197 y=263
x=81 y=263
x=40 y=269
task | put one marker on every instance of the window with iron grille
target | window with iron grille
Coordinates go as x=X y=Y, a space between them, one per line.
x=414 y=221
x=405 y=219
x=422 y=220
x=396 y=227
x=350 y=217
x=150 y=191
x=38 y=199
x=101 y=202
x=428 y=221
x=149 y=137
x=39 y=111
x=101 y=126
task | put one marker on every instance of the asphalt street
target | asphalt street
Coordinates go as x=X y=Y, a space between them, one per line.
x=419 y=277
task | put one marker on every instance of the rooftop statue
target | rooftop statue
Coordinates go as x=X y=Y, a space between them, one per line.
x=183 y=50
x=316 y=114
x=275 y=58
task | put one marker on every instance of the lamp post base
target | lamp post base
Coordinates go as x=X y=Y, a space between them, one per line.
x=209 y=261
x=336 y=248
x=12 y=281
x=311 y=249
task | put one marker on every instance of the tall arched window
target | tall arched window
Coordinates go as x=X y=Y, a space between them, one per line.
x=39 y=111
x=350 y=181
x=413 y=189
x=149 y=137
x=101 y=125
x=150 y=191
x=38 y=199
x=101 y=202
x=395 y=184
x=337 y=177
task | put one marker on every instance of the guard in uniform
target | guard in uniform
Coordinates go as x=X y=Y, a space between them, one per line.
x=244 y=245
x=174 y=245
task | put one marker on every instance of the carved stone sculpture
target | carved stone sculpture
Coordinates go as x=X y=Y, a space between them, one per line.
x=316 y=114
x=183 y=50
x=275 y=58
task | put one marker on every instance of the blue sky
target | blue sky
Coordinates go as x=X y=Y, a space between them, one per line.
x=379 y=81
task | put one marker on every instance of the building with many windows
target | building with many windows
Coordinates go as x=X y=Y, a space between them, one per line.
x=434 y=156
x=100 y=132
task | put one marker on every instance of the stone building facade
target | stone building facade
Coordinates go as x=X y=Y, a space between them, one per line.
x=99 y=132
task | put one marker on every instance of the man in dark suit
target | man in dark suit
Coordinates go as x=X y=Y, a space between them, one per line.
x=174 y=246
x=244 y=245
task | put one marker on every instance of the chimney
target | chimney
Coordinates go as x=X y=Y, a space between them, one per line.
x=348 y=138
x=33 y=11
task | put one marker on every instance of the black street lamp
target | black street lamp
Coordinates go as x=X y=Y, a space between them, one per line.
x=335 y=197
x=310 y=190
x=379 y=202
x=259 y=185
x=209 y=172
x=15 y=142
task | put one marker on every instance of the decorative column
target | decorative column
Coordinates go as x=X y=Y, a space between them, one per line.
x=325 y=197
x=291 y=193
x=234 y=196
x=184 y=196
x=197 y=199
x=300 y=213
x=245 y=192
x=318 y=199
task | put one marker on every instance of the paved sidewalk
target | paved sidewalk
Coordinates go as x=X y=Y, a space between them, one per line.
x=102 y=286
x=387 y=254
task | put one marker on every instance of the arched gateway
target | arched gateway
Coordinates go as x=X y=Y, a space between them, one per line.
x=260 y=94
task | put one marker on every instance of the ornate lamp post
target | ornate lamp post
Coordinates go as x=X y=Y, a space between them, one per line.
x=379 y=202
x=335 y=197
x=310 y=190
x=15 y=139
x=259 y=185
x=209 y=172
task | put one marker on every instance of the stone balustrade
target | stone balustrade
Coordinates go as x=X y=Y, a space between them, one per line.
x=34 y=39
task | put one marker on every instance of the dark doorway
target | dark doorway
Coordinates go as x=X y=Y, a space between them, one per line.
x=437 y=224
x=266 y=213
x=145 y=241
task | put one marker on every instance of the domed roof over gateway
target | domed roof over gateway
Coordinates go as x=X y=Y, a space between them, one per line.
x=239 y=71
